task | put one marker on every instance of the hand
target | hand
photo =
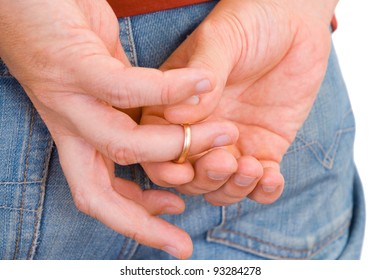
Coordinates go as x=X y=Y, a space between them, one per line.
x=269 y=58
x=68 y=58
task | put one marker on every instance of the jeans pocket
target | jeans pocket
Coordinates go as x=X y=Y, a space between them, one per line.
x=312 y=218
x=274 y=233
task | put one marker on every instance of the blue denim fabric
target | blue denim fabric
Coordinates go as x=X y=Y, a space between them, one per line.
x=320 y=215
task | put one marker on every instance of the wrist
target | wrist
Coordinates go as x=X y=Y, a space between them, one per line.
x=322 y=10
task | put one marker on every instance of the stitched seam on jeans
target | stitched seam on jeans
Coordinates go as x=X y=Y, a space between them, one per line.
x=308 y=144
x=225 y=214
x=19 y=229
x=310 y=147
x=38 y=215
x=309 y=252
x=331 y=154
x=238 y=210
x=122 y=250
x=133 y=250
x=17 y=209
x=224 y=217
x=349 y=112
x=131 y=42
x=21 y=183
x=305 y=145
x=122 y=254
x=328 y=160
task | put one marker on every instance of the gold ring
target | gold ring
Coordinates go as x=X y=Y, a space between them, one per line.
x=186 y=144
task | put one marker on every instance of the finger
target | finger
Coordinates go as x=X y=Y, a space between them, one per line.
x=200 y=51
x=241 y=184
x=119 y=138
x=92 y=190
x=212 y=170
x=169 y=174
x=156 y=202
x=123 y=86
x=270 y=186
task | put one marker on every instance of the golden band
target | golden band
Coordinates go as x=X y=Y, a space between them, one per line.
x=186 y=144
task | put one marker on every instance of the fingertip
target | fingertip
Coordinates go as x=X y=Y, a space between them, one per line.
x=269 y=188
x=182 y=250
x=201 y=100
x=168 y=174
x=191 y=110
x=187 y=249
x=249 y=167
x=175 y=206
x=217 y=160
x=203 y=86
x=205 y=80
x=186 y=82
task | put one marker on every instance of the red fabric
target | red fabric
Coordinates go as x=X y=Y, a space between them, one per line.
x=124 y=8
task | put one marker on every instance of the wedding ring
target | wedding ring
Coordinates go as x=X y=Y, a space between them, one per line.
x=186 y=144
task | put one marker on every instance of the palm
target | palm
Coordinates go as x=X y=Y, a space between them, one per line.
x=269 y=109
x=269 y=65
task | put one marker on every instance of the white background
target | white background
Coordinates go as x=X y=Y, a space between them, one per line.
x=357 y=43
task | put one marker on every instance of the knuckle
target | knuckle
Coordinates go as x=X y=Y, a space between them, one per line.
x=122 y=153
x=120 y=97
x=120 y=156
x=116 y=153
x=116 y=91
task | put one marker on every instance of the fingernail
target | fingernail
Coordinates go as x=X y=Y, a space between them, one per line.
x=222 y=140
x=243 y=181
x=217 y=176
x=269 y=189
x=193 y=100
x=172 y=251
x=203 y=86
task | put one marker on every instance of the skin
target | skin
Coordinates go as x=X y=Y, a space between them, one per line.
x=74 y=45
x=269 y=58
x=75 y=72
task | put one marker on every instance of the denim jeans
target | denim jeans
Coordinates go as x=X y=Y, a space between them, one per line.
x=319 y=216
